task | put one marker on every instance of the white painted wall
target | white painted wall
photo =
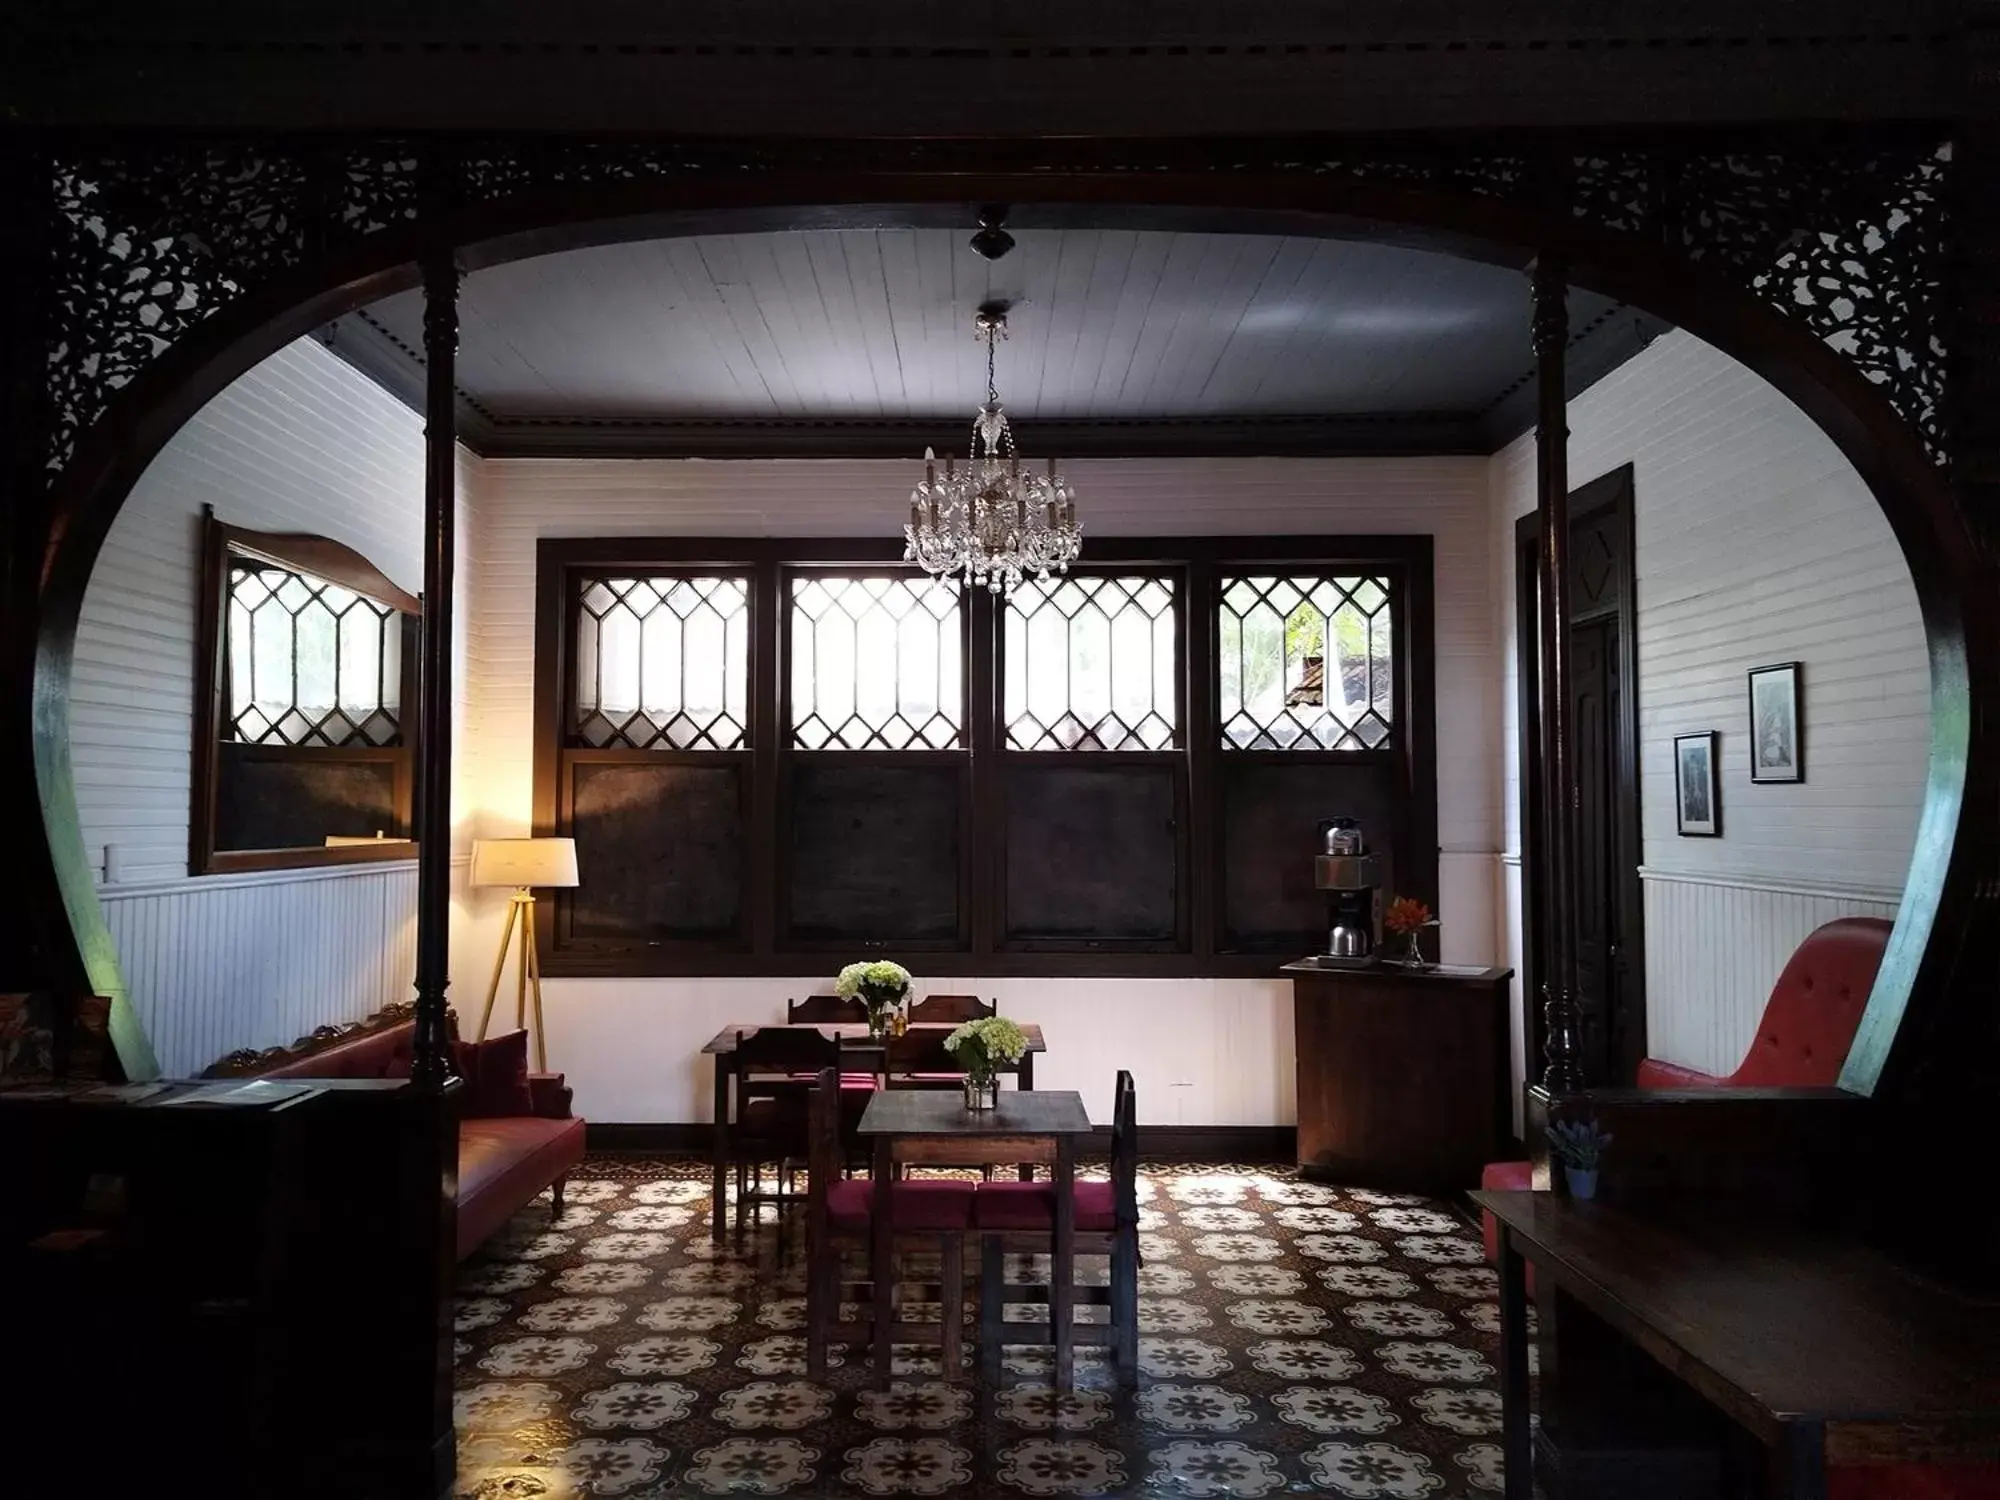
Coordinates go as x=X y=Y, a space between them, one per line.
x=1756 y=542
x=301 y=443
x=1204 y=1052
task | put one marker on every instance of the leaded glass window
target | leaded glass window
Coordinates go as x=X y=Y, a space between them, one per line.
x=1306 y=663
x=310 y=662
x=1091 y=664
x=662 y=663
x=877 y=663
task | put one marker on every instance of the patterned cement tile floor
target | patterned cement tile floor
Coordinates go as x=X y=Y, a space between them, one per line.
x=1296 y=1338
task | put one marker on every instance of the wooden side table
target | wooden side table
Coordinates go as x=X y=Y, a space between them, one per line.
x=1402 y=1073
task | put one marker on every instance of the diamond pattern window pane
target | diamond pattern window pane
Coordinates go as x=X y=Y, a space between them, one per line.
x=310 y=662
x=877 y=664
x=1091 y=665
x=1307 y=663
x=662 y=663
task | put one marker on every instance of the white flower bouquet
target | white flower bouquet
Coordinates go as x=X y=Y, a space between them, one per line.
x=880 y=986
x=985 y=1046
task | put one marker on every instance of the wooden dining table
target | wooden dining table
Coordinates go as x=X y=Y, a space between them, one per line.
x=868 y=1053
x=915 y=1126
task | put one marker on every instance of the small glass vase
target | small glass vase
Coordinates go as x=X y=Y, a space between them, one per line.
x=982 y=1094
x=1412 y=955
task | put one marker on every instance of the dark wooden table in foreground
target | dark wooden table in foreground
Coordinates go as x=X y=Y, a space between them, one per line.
x=1824 y=1351
x=864 y=1053
x=915 y=1125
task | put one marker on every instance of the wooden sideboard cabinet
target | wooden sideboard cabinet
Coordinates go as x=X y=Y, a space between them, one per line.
x=1402 y=1073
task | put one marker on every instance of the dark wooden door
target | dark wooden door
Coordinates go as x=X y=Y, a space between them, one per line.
x=1604 y=713
x=1600 y=918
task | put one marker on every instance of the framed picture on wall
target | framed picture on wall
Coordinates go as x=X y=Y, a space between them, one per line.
x=1697 y=791
x=1777 y=738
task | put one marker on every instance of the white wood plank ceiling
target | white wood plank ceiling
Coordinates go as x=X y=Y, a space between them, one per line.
x=859 y=325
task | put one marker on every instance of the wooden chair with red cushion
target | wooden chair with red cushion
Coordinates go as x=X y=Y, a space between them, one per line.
x=919 y=1060
x=857 y=1083
x=826 y=1010
x=771 y=1104
x=930 y=1216
x=1809 y=1023
x=1021 y=1217
x=951 y=1009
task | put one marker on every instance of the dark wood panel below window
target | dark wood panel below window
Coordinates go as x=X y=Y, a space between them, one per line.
x=659 y=852
x=295 y=797
x=1272 y=807
x=1093 y=853
x=875 y=853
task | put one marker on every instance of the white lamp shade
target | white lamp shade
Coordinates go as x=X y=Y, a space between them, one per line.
x=543 y=863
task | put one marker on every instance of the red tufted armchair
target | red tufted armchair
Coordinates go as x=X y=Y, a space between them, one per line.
x=1809 y=1023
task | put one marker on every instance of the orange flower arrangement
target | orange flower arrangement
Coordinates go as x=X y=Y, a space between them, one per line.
x=1406 y=914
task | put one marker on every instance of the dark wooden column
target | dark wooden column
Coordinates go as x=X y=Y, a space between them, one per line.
x=1562 y=1073
x=431 y=1060
x=40 y=953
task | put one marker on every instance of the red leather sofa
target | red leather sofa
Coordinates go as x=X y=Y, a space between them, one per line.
x=504 y=1163
x=1809 y=1023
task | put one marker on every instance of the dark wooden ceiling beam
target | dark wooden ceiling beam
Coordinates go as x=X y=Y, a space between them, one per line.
x=909 y=67
x=1390 y=435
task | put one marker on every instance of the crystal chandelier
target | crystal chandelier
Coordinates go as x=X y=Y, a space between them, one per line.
x=989 y=522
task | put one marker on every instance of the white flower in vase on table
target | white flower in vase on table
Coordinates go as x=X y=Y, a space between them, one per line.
x=881 y=986
x=983 y=1048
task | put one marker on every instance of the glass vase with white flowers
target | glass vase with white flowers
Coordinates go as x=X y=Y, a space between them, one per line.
x=983 y=1048
x=882 y=987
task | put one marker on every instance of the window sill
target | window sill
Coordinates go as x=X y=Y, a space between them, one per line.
x=376 y=851
x=1068 y=964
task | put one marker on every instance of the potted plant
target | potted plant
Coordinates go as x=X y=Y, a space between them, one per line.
x=1581 y=1145
x=983 y=1048
x=1406 y=917
x=882 y=987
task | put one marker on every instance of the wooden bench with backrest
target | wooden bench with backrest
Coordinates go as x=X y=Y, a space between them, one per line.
x=1802 y=1039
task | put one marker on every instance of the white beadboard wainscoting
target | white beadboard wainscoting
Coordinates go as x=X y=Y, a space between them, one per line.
x=1715 y=944
x=257 y=960
x=1202 y=1051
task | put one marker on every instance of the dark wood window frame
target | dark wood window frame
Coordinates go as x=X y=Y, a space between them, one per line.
x=1017 y=768
x=758 y=947
x=333 y=562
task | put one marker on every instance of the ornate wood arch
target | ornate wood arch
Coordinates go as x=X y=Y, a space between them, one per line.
x=1820 y=261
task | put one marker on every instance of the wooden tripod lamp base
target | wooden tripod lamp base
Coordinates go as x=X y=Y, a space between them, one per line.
x=527 y=865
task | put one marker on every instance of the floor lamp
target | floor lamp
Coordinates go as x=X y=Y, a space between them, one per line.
x=527 y=865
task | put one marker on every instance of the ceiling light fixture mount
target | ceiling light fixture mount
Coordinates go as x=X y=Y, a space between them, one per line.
x=989 y=522
x=992 y=241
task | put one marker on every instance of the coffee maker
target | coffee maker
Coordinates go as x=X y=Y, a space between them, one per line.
x=1347 y=872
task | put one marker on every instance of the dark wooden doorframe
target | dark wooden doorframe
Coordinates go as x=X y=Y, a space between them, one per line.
x=1608 y=492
